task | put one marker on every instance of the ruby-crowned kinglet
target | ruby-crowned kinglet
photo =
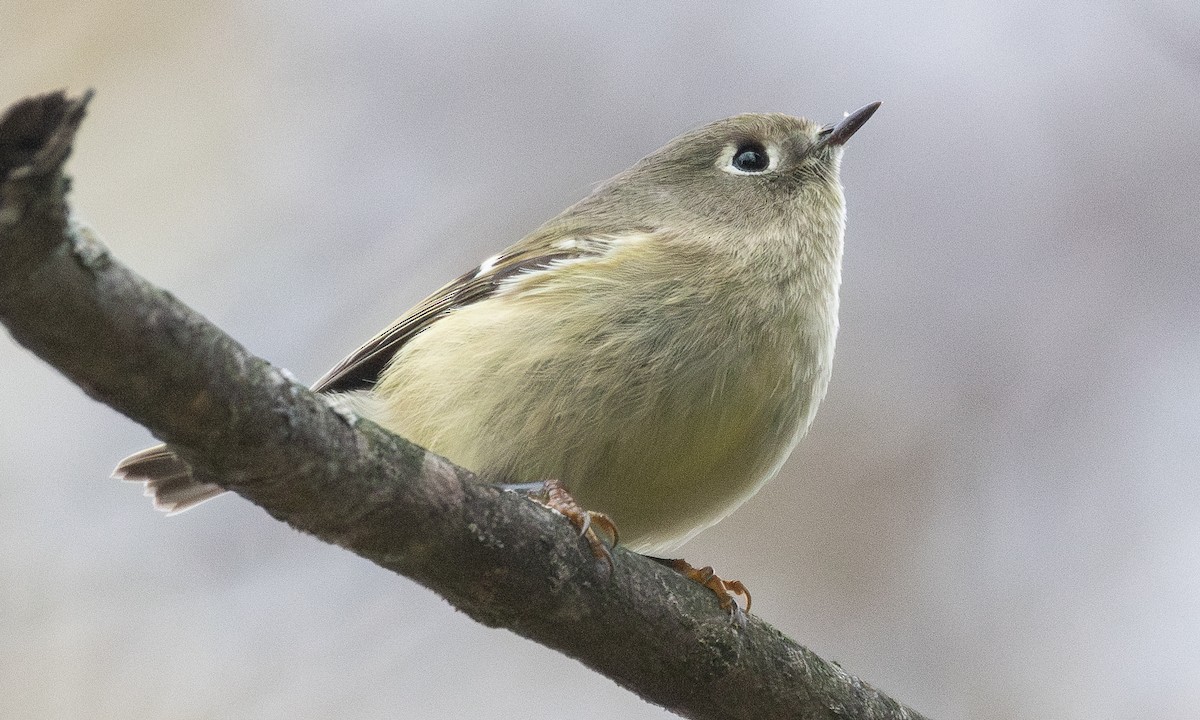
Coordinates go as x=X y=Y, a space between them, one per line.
x=658 y=348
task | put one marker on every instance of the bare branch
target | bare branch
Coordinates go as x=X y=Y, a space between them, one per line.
x=246 y=426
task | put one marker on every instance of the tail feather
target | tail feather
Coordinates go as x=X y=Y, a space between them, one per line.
x=167 y=478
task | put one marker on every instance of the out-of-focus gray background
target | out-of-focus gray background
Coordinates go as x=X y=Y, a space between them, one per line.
x=995 y=515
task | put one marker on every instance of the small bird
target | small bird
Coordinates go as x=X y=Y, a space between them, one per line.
x=653 y=353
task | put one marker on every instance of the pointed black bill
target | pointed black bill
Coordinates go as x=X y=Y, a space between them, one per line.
x=840 y=133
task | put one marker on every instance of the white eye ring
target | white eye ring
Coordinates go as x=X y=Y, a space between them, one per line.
x=730 y=154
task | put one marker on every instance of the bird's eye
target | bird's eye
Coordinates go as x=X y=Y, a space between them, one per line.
x=751 y=158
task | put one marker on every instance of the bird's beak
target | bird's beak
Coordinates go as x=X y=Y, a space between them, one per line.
x=840 y=133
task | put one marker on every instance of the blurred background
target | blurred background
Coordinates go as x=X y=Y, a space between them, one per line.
x=995 y=515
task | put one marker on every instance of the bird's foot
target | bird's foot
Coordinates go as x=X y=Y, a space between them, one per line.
x=725 y=590
x=554 y=496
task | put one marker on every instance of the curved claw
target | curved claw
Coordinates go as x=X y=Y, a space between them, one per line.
x=735 y=587
x=606 y=524
x=725 y=590
x=557 y=498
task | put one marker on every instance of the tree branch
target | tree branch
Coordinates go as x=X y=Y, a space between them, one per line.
x=246 y=426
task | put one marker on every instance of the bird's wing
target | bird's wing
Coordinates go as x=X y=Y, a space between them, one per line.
x=362 y=368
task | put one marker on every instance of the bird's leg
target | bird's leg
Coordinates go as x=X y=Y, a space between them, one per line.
x=554 y=496
x=723 y=589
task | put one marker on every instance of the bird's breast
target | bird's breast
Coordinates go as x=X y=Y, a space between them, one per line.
x=660 y=408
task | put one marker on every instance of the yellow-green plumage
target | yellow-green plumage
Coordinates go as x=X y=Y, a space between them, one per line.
x=663 y=408
x=658 y=348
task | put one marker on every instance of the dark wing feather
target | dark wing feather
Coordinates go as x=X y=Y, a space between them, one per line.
x=363 y=367
x=170 y=480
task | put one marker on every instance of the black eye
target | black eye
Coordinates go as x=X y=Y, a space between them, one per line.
x=751 y=158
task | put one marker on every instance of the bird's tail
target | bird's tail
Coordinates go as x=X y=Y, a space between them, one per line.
x=167 y=478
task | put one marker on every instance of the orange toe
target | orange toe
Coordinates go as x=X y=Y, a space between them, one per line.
x=725 y=590
x=557 y=498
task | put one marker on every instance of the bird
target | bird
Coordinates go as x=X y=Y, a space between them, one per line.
x=652 y=354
